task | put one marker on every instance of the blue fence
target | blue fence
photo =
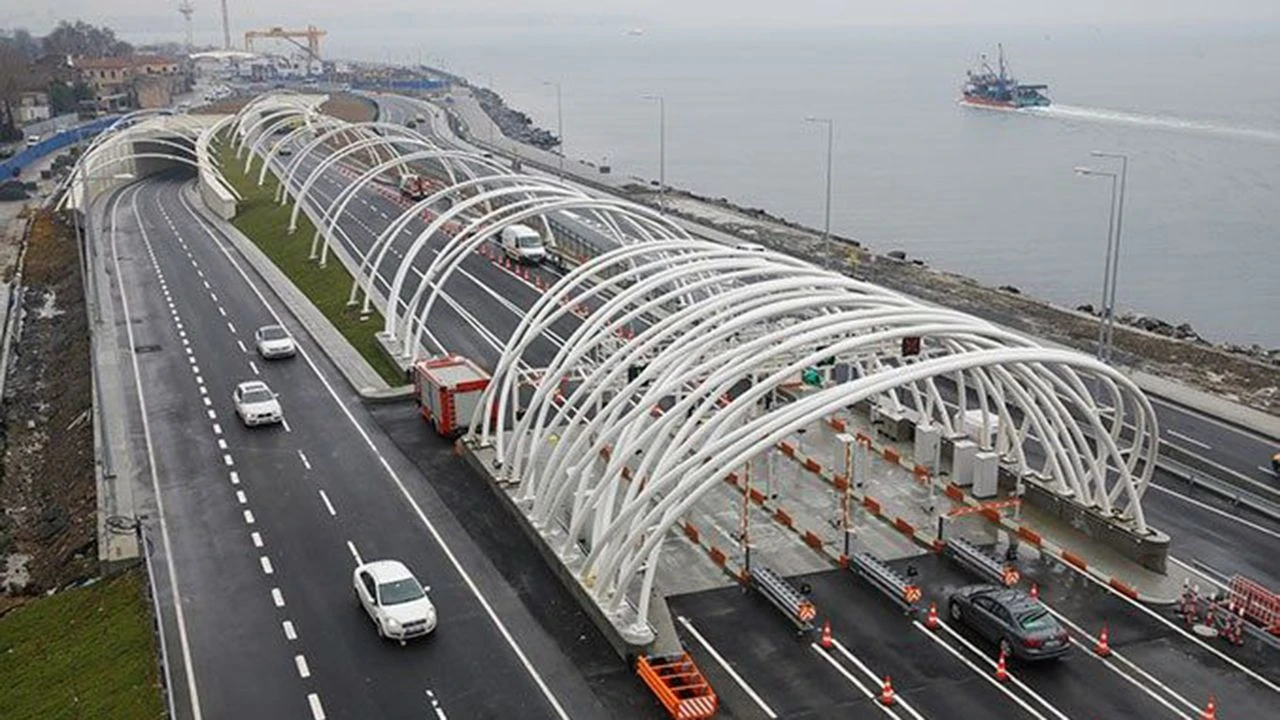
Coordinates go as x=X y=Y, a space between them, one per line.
x=11 y=167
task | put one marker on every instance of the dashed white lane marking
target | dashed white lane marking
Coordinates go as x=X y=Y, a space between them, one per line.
x=243 y=349
x=240 y=497
x=1267 y=470
x=207 y=286
x=235 y=478
x=352 y=547
x=231 y=327
x=222 y=444
x=179 y=327
x=212 y=415
x=256 y=538
x=213 y=295
x=317 y=710
x=435 y=705
x=227 y=458
x=328 y=504
x=195 y=369
x=306 y=463
x=277 y=597
x=285 y=423
x=203 y=390
x=222 y=311
x=207 y=401
x=199 y=379
x=217 y=429
x=1191 y=440
x=253 y=367
x=289 y=632
x=303 y=671
x=266 y=565
x=192 y=361
x=248 y=517
x=189 y=350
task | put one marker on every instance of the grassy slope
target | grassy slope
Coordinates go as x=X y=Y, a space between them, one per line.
x=266 y=223
x=83 y=653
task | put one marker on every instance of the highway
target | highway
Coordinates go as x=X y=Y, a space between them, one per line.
x=266 y=525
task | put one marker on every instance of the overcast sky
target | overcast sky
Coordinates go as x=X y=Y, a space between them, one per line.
x=151 y=16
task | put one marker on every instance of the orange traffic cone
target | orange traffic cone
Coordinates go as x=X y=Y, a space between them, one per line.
x=931 y=622
x=886 y=692
x=1210 y=711
x=1002 y=672
x=1035 y=591
x=826 y=634
x=1103 y=648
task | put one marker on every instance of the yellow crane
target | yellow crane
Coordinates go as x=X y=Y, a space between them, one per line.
x=312 y=34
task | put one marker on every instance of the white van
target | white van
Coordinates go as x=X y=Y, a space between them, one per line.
x=523 y=244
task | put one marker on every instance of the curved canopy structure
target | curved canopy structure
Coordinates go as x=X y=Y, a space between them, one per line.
x=670 y=378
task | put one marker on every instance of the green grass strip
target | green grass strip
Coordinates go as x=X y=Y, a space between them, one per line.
x=83 y=653
x=266 y=223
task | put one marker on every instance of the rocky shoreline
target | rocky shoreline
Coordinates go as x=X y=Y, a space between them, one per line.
x=1247 y=375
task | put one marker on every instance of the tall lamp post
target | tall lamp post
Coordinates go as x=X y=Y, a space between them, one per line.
x=559 y=124
x=1115 y=258
x=1107 y=311
x=826 y=226
x=662 y=151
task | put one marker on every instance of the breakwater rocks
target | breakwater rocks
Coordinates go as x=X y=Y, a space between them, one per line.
x=513 y=123
x=1184 y=331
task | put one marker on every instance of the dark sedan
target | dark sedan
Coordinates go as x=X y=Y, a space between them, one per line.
x=1018 y=623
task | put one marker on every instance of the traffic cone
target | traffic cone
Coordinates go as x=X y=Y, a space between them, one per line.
x=886 y=692
x=1210 y=711
x=1035 y=591
x=1103 y=648
x=826 y=634
x=931 y=622
x=1002 y=672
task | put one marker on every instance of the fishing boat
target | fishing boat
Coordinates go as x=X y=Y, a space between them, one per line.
x=996 y=88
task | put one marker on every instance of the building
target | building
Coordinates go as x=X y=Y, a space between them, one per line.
x=144 y=81
x=33 y=106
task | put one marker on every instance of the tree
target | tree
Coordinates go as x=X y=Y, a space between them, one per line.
x=80 y=38
x=13 y=71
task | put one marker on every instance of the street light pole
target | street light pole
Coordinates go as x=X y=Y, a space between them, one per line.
x=1106 y=311
x=662 y=151
x=559 y=124
x=826 y=226
x=1115 y=259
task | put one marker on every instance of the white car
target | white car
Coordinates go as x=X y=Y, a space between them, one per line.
x=394 y=599
x=256 y=404
x=273 y=341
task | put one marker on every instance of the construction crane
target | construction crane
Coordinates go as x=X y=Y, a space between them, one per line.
x=312 y=34
x=187 y=9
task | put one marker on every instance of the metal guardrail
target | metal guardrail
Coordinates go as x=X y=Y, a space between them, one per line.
x=794 y=604
x=978 y=561
x=888 y=581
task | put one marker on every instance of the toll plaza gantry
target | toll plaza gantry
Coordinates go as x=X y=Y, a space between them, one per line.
x=643 y=405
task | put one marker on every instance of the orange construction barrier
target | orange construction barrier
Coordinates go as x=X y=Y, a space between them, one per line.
x=679 y=686
x=1103 y=648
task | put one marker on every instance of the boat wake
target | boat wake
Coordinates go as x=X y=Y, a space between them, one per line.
x=1164 y=122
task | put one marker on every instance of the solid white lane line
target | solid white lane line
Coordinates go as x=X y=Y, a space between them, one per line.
x=458 y=567
x=875 y=679
x=1216 y=511
x=435 y=705
x=1188 y=439
x=254 y=367
x=328 y=504
x=266 y=565
x=751 y=693
x=193 y=694
x=306 y=463
x=852 y=680
x=982 y=673
x=303 y=671
x=277 y=597
x=243 y=349
x=317 y=710
x=240 y=497
x=257 y=539
x=248 y=517
x=1267 y=470
x=289 y=632
x=352 y=547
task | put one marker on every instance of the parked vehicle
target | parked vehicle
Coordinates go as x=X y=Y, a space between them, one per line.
x=33 y=140
x=523 y=244
x=414 y=187
x=394 y=599
x=1275 y=463
x=447 y=390
x=1018 y=623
